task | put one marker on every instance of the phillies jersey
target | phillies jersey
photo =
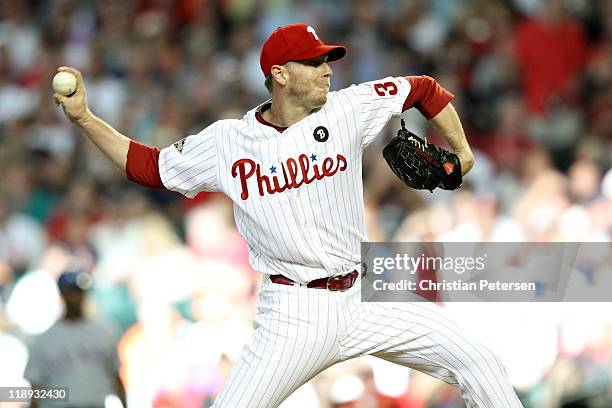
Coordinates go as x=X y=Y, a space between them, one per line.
x=297 y=194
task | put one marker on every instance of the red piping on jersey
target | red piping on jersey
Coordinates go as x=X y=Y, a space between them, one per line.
x=427 y=96
x=260 y=118
x=142 y=165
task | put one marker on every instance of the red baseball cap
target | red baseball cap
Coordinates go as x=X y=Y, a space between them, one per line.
x=295 y=42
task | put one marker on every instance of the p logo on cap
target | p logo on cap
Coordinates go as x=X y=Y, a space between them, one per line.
x=295 y=42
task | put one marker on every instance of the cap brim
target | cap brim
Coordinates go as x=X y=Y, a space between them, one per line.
x=334 y=53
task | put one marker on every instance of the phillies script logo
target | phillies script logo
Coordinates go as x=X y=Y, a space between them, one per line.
x=294 y=173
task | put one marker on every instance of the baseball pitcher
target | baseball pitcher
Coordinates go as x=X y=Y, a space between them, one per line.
x=292 y=167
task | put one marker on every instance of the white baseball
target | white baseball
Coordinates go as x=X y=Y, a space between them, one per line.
x=64 y=83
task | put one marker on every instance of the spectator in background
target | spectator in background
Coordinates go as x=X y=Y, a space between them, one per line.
x=22 y=239
x=34 y=303
x=76 y=352
x=551 y=51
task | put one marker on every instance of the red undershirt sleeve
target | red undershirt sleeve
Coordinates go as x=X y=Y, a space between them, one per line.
x=427 y=96
x=142 y=165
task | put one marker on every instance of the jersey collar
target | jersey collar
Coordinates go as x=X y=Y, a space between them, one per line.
x=260 y=118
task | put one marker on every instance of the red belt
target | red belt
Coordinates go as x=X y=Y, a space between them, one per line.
x=333 y=283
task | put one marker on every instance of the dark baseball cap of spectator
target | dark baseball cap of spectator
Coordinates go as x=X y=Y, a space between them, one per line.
x=295 y=42
x=74 y=279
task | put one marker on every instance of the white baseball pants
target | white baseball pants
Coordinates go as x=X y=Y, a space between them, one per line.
x=300 y=332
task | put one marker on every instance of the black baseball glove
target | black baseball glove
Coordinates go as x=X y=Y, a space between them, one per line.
x=421 y=165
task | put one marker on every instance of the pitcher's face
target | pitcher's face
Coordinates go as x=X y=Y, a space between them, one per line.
x=309 y=80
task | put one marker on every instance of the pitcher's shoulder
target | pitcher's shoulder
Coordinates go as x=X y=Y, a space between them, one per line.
x=343 y=97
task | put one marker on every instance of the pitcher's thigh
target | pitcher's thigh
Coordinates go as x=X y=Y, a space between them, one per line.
x=283 y=353
x=423 y=337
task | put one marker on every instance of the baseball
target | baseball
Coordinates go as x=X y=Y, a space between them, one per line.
x=64 y=83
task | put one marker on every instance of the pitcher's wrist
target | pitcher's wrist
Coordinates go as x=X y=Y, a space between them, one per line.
x=84 y=119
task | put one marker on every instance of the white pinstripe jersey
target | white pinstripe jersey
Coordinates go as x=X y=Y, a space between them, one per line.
x=298 y=195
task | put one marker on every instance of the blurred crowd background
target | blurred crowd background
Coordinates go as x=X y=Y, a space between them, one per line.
x=533 y=85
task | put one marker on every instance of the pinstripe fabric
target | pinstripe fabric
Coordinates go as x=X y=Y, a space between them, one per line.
x=299 y=332
x=421 y=336
x=296 y=336
x=307 y=232
x=195 y=170
x=298 y=202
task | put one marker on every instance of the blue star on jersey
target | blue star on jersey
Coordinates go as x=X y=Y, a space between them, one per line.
x=272 y=169
x=313 y=157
